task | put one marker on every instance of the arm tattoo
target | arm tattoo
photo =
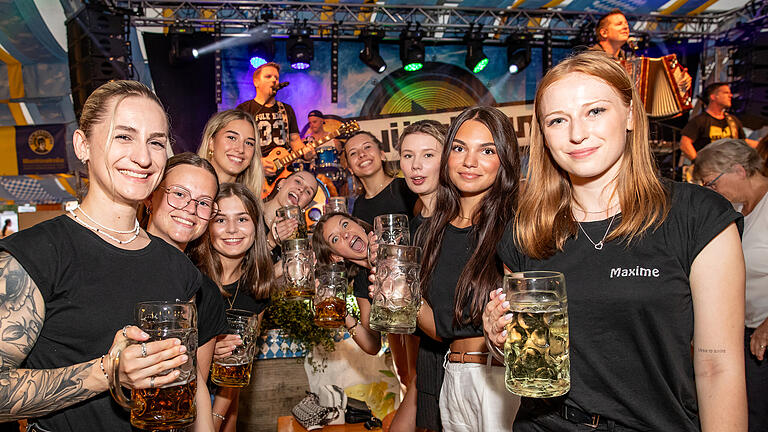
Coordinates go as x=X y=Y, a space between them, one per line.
x=28 y=392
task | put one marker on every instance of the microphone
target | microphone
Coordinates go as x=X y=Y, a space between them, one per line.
x=632 y=42
x=282 y=85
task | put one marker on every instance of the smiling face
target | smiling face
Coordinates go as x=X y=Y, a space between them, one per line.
x=232 y=231
x=233 y=148
x=420 y=162
x=346 y=238
x=363 y=155
x=616 y=28
x=181 y=226
x=473 y=162
x=127 y=165
x=585 y=122
x=297 y=189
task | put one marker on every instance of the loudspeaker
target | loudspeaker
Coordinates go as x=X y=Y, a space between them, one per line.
x=98 y=51
x=749 y=75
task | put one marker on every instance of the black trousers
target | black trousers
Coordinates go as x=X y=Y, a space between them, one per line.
x=757 y=387
x=544 y=416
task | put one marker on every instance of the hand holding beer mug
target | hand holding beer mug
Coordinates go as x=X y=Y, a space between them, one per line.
x=331 y=297
x=234 y=370
x=298 y=269
x=171 y=405
x=536 y=346
x=298 y=222
x=397 y=295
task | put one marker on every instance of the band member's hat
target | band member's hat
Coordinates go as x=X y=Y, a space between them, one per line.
x=315 y=113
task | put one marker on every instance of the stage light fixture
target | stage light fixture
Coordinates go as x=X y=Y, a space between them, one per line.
x=412 y=48
x=476 y=60
x=262 y=52
x=518 y=53
x=299 y=48
x=370 y=53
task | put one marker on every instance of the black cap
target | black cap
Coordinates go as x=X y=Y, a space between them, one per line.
x=315 y=113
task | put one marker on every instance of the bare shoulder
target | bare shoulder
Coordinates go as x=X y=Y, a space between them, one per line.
x=22 y=311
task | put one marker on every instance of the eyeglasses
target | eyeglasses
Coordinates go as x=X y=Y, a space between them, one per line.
x=711 y=184
x=179 y=198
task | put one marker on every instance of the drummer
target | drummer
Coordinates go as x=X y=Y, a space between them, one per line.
x=316 y=132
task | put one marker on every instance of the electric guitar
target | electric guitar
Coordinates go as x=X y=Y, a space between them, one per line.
x=282 y=157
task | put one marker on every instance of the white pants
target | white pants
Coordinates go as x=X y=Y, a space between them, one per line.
x=474 y=399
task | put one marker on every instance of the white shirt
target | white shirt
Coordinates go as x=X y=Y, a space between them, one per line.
x=754 y=243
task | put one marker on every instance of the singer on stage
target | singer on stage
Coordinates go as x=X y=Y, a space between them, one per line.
x=276 y=121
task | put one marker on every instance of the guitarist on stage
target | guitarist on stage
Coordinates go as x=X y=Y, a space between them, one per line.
x=276 y=121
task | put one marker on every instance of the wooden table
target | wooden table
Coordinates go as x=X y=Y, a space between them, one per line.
x=289 y=424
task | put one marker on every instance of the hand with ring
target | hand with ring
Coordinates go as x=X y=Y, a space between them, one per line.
x=142 y=363
x=759 y=340
x=495 y=318
x=283 y=228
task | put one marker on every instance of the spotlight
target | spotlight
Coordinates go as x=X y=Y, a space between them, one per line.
x=299 y=49
x=411 y=48
x=370 y=53
x=518 y=53
x=262 y=52
x=476 y=59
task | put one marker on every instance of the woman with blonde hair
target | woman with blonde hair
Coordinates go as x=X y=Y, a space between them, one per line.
x=650 y=266
x=231 y=143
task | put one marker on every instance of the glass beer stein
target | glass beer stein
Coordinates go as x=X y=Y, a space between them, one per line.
x=298 y=269
x=330 y=299
x=173 y=405
x=392 y=229
x=335 y=205
x=396 y=298
x=295 y=213
x=536 y=349
x=235 y=369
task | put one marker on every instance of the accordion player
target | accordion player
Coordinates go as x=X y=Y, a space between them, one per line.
x=663 y=85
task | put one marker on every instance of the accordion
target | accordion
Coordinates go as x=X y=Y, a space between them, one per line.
x=658 y=81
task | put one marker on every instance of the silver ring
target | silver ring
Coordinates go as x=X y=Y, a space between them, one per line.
x=762 y=346
x=143 y=349
x=124 y=329
x=152 y=382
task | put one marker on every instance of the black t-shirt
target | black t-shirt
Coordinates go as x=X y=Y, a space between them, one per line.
x=456 y=250
x=240 y=299
x=703 y=129
x=211 y=320
x=90 y=289
x=271 y=124
x=360 y=283
x=631 y=313
x=393 y=199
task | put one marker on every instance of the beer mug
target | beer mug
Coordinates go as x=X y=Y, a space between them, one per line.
x=331 y=297
x=298 y=269
x=173 y=405
x=392 y=229
x=536 y=349
x=295 y=213
x=336 y=205
x=397 y=297
x=235 y=369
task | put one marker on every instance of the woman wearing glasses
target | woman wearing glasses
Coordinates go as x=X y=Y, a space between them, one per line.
x=233 y=253
x=179 y=211
x=733 y=169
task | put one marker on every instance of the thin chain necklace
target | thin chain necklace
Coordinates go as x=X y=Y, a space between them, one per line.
x=234 y=297
x=598 y=245
x=130 y=231
x=600 y=211
x=135 y=231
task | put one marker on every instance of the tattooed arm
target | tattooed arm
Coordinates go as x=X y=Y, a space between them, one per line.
x=28 y=392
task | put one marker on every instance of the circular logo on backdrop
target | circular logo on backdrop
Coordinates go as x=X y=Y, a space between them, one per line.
x=41 y=142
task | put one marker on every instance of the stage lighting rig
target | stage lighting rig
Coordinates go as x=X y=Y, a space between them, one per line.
x=476 y=60
x=370 y=53
x=412 y=48
x=262 y=52
x=518 y=52
x=299 y=48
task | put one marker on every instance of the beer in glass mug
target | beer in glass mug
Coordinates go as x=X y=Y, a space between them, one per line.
x=235 y=369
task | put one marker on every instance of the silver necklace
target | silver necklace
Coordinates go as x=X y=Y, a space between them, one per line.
x=598 y=245
x=130 y=231
x=105 y=234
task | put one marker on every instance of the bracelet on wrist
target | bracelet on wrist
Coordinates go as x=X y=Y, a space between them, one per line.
x=104 y=371
x=218 y=416
x=351 y=330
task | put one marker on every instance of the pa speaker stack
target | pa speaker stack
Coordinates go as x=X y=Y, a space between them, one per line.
x=749 y=75
x=98 y=51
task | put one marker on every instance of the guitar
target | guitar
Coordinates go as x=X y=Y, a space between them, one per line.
x=282 y=157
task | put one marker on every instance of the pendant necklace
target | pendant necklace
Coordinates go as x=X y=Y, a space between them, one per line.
x=234 y=297
x=598 y=245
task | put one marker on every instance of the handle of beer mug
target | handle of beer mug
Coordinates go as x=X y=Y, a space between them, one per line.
x=115 y=389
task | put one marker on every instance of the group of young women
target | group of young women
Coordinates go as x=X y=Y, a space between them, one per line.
x=659 y=352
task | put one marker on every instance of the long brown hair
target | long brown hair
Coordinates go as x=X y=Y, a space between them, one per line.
x=258 y=276
x=482 y=272
x=544 y=221
x=320 y=246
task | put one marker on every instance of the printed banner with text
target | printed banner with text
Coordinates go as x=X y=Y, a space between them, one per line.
x=41 y=149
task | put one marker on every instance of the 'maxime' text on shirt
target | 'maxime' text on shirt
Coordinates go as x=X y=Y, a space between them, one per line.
x=637 y=271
